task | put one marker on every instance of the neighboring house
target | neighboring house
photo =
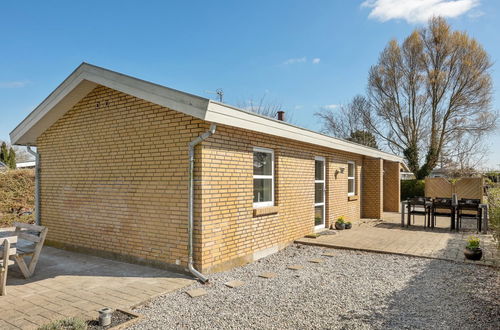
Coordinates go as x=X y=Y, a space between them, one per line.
x=26 y=165
x=407 y=176
x=439 y=173
x=3 y=167
x=114 y=164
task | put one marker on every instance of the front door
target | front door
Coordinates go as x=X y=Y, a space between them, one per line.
x=319 y=192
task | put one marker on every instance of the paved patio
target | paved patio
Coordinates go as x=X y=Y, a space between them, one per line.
x=69 y=284
x=387 y=236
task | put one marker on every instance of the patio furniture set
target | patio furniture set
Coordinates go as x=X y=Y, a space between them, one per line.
x=456 y=210
x=26 y=241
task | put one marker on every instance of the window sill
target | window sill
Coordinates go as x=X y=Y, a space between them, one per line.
x=352 y=198
x=266 y=210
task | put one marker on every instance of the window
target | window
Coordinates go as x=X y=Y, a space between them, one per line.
x=263 y=177
x=351 y=178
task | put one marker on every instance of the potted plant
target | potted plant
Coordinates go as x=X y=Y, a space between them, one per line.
x=348 y=225
x=472 y=250
x=340 y=223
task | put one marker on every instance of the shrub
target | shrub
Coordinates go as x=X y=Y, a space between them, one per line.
x=67 y=324
x=494 y=212
x=17 y=196
x=473 y=242
x=412 y=188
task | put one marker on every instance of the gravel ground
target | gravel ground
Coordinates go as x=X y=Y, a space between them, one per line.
x=352 y=290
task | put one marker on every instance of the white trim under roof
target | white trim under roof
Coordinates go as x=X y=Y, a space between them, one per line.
x=86 y=77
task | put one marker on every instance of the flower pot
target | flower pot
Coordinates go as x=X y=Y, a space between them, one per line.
x=473 y=254
x=348 y=225
x=339 y=226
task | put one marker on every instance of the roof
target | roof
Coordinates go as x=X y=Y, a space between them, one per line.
x=26 y=164
x=86 y=77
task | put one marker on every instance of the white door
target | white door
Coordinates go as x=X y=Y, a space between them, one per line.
x=319 y=192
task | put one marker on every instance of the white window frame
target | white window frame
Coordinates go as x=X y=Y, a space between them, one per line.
x=322 y=159
x=351 y=177
x=271 y=202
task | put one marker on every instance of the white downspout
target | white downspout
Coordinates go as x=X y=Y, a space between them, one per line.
x=192 y=144
x=37 y=183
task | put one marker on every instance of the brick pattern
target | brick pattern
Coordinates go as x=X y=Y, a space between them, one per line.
x=392 y=186
x=114 y=179
x=373 y=188
x=229 y=228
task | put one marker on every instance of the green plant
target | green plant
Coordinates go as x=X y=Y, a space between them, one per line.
x=17 y=196
x=348 y=223
x=473 y=242
x=341 y=219
x=67 y=324
x=412 y=188
x=494 y=212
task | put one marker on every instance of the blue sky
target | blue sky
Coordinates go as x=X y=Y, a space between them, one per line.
x=304 y=55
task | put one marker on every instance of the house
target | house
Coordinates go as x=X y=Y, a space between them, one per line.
x=25 y=165
x=136 y=171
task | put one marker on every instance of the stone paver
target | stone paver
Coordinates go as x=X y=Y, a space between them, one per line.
x=67 y=284
x=234 y=284
x=196 y=293
x=295 y=267
x=268 y=275
x=388 y=236
x=316 y=260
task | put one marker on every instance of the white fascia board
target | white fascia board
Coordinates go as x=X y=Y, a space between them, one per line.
x=223 y=114
x=85 y=78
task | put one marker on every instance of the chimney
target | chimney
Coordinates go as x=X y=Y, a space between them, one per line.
x=281 y=115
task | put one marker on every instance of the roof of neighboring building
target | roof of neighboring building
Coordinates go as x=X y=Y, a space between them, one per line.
x=25 y=164
x=86 y=77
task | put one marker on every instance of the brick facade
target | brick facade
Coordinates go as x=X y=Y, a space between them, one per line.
x=392 y=186
x=114 y=181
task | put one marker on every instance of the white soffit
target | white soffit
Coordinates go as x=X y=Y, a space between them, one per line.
x=86 y=77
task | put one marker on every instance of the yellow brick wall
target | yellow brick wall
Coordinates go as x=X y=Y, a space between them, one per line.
x=114 y=177
x=229 y=228
x=373 y=188
x=392 y=186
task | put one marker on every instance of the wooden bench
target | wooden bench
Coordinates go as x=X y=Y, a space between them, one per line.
x=5 y=253
x=30 y=239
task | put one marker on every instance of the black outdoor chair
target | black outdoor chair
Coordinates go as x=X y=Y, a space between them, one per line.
x=443 y=207
x=469 y=208
x=419 y=206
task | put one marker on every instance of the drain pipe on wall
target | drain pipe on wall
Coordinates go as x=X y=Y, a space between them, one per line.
x=192 y=144
x=37 y=183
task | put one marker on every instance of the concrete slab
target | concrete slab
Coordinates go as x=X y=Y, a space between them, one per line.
x=196 y=293
x=295 y=267
x=387 y=236
x=234 y=284
x=68 y=284
x=268 y=275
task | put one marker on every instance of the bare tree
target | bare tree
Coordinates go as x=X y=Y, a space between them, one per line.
x=347 y=122
x=265 y=108
x=424 y=91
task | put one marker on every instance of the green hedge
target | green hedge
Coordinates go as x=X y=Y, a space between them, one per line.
x=412 y=188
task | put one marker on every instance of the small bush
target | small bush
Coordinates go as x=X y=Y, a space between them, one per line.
x=412 y=188
x=17 y=196
x=67 y=324
x=494 y=212
x=473 y=242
